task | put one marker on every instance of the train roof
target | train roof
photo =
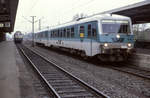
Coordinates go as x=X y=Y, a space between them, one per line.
x=18 y=32
x=93 y=18
x=88 y=19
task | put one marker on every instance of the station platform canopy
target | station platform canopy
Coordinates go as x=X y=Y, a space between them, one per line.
x=8 y=9
x=138 y=12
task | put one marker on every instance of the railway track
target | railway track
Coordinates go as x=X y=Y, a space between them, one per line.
x=42 y=91
x=136 y=71
x=60 y=82
x=126 y=68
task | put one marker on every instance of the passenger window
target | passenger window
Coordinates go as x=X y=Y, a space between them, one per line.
x=68 y=32
x=51 y=34
x=46 y=34
x=81 y=31
x=58 y=33
x=64 y=35
x=41 y=35
x=55 y=34
x=89 y=30
x=72 y=32
x=94 y=32
x=61 y=31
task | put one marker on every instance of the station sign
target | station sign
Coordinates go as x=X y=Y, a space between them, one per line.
x=5 y=25
x=1 y=25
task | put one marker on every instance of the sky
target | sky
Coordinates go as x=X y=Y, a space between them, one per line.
x=54 y=12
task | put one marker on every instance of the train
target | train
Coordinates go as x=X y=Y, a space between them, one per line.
x=18 y=37
x=142 y=39
x=106 y=37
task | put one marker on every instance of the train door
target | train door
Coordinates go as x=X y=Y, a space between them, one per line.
x=92 y=36
x=47 y=37
x=81 y=35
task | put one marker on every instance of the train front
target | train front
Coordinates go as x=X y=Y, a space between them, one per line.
x=117 y=39
x=18 y=37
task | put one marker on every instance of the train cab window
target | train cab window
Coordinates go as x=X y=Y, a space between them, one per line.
x=81 y=31
x=72 y=32
x=94 y=31
x=68 y=32
x=89 y=30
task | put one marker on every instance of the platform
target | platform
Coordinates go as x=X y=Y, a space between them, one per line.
x=143 y=51
x=141 y=58
x=9 y=74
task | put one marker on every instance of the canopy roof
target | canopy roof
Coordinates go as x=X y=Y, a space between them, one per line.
x=139 y=12
x=8 y=9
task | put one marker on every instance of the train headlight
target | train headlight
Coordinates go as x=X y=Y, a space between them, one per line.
x=106 y=45
x=118 y=36
x=129 y=45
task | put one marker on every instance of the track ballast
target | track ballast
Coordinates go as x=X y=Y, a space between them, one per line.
x=61 y=83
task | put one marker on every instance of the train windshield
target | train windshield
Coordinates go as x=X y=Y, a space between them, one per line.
x=115 y=26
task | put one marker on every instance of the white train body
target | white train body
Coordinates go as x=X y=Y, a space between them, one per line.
x=93 y=36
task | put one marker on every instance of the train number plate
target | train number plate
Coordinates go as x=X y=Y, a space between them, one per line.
x=124 y=47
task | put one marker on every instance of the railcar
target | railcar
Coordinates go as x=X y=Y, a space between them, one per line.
x=107 y=37
x=142 y=39
x=18 y=37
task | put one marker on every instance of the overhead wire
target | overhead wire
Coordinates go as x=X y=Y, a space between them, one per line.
x=32 y=7
x=79 y=6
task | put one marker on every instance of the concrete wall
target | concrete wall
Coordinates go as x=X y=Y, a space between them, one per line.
x=142 y=60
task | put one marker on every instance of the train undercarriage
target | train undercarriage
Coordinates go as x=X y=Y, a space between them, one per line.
x=115 y=55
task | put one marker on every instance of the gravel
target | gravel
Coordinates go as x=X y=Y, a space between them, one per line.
x=113 y=83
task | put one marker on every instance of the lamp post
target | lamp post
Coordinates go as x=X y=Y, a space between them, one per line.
x=33 y=30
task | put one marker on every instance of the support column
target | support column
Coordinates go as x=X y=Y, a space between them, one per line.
x=2 y=36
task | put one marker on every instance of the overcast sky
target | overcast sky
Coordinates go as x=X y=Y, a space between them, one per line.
x=53 y=12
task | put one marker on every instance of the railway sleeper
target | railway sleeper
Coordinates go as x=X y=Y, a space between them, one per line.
x=63 y=84
x=72 y=91
x=77 y=95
